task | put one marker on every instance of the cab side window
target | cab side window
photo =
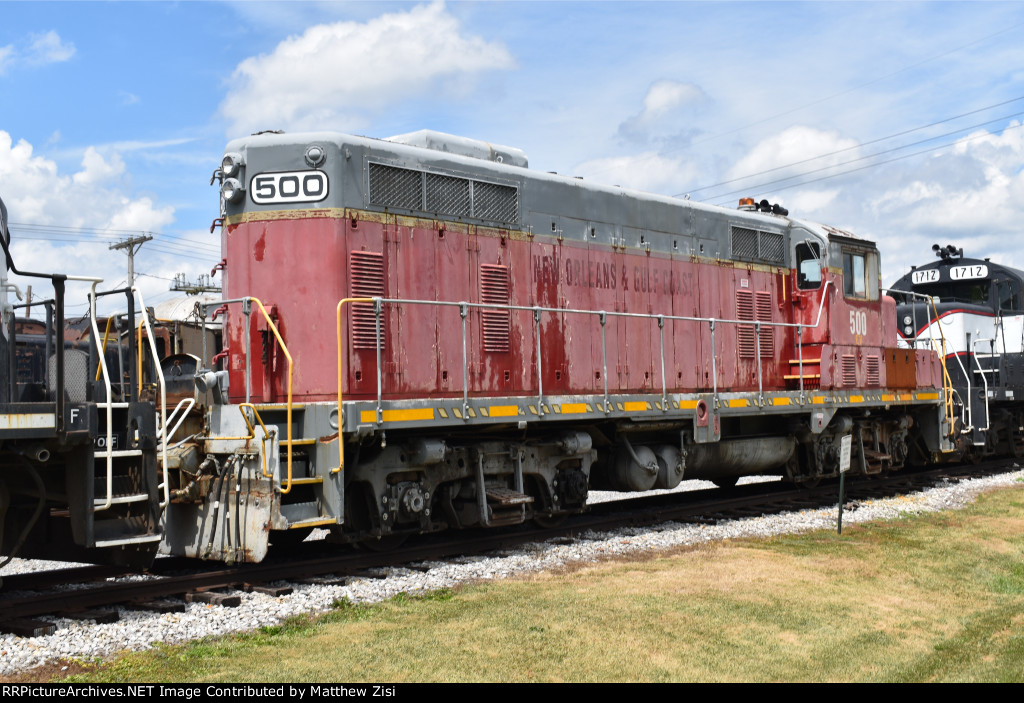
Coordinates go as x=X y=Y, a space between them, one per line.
x=855 y=281
x=808 y=265
x=1009 y=295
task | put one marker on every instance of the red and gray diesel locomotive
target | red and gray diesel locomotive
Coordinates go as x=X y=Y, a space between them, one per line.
x=422 y=333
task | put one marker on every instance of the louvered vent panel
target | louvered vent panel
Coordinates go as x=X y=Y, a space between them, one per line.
x=494 y=289
x=763 y=299
x=849 y=377
x=448 y=195
x=744 y=243
x=773 y=247
x=495 y=202
x=391 y=186
x=873 y=366
x=366 y=280
x=746 y=338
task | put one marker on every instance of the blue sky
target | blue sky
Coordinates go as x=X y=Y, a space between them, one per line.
x=115 y=114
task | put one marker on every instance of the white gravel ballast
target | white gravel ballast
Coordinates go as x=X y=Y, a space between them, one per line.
x=138 y=630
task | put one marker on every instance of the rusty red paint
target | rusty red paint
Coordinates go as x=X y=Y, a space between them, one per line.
x=422 y=345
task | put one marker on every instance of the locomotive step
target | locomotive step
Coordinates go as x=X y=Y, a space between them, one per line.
x=797 y=377
x=313 y=522
x=142 y=539
x=301 y=513
x=113 y=533
x=806 y=362
x=506 y=496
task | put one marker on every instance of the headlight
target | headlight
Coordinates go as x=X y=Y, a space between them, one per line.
x=908 y=331
x=315 y=156
x=907 y=319
x=231 y=189
x=230 y=165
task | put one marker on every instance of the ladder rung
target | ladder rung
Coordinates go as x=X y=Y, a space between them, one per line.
x=112 y=405
x=306 y=480
x=798 y=376
x=297 y=442
x=120 y=500
x=796 y=362
x=103 y=453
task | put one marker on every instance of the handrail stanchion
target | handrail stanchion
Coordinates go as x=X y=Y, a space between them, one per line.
x=378 y=307
x=341 y=366
x=603 y=316
x=463 y=312
x=714 y=366
x=757 y=353
x=540 y=369
x=664 y=381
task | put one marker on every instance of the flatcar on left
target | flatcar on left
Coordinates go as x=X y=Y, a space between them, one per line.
x=78 y=437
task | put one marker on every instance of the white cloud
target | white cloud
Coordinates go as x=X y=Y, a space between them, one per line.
x=663 y=109
x=647 y=171
x=795 y=145
x=334 y=75
x=43 y=49
x=49 y=48
x=97 y=195
x=7 y=55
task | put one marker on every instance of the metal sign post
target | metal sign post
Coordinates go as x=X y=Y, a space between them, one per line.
x=845 y=449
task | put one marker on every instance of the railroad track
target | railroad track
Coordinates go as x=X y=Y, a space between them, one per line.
x=29 y=598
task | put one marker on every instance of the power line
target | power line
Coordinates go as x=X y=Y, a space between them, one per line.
x=861 y=168
x=765 y=184
x=873 y=141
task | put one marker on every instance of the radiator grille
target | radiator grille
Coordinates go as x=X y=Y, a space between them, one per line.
x=494 y=289
x=495 y=202
x=396 y=187
x=366 y=280
x=773 y=247
x=763 y=299
x=744 y=243
x=849 y=370
x=873 y=367
x=448 y=195
x=411 y=189
x=754 y=244
x=754 y=306
x=746 y=338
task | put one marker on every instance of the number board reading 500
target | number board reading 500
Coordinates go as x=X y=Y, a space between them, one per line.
x=288 y=187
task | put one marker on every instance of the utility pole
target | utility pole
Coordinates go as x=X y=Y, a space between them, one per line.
x=132 y=244
x=203 y=285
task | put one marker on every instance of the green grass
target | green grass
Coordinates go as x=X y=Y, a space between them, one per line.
x=938 y=597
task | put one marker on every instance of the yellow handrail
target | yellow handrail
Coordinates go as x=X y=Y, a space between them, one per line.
x=341 y=424
x=251 y=435
x=106 y=338
x=273 y=328
x=947 y=382
x=285 y=488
